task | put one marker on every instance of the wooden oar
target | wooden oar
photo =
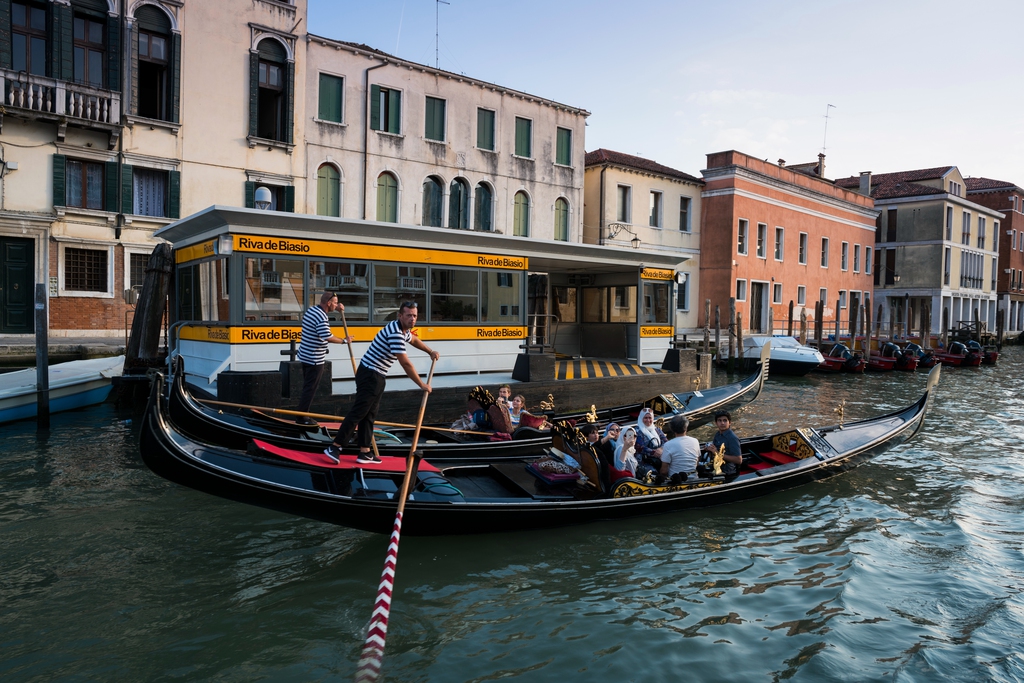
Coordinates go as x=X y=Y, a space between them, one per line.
x=321 y=416
x=352 y=357
x=373 y=649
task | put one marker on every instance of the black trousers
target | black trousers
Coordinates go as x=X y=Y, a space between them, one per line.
x=369 y=388
x=311 y=375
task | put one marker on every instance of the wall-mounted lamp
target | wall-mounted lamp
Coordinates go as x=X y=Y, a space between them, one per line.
x=263 y=199
x=616 y=228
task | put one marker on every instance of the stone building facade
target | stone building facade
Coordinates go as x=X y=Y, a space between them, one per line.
x=1008 y=199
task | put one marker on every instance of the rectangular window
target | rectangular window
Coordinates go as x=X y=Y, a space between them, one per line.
x=776 y=293
x=890 y=266
x=90 y=55
x=779 y=242
x=499 y=297
x=762 y=238
x=823 y=295
x=524 y=138
x=348 y=281
x=965 y=228
x=842 y=298
x=949 y=223
x=802 y=255
x=1013 y=239
x=274 y=289
x=137 y=269
x=890 y=228
x=741 y=290
x=28 y=37
x=683 y=299
x=394 y=284
x=741 y=240
x=993 y=283
x=453 y=295
x=801 y=295
x=655 y=218
x=84 y=185
x=981 y=232
x=149 y=192
x=563 y=147
x=434 y=119
x=485 y=129
x=824 y=252
x=85 y=270
x=684 y=214
x=623 y=296
x=867 y=260
x=623 y=209
x=844 y=256
x=656 y=300
x=385 y=109
x=856 y=258
x=331 y=89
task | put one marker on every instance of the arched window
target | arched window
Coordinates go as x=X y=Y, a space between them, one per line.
x=484 y=203
x=433 y=202
x=458 y=205
x=155 y=65
x=521 y=217
x=561 y=220
x=328 y=191
x=271 y=76
x=387 y=198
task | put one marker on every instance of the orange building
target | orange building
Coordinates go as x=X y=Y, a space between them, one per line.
x=772 y=234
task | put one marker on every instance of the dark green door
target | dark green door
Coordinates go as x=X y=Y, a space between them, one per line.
x=16 y=286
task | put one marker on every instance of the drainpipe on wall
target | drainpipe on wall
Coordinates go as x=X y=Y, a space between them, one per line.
x=366 y=128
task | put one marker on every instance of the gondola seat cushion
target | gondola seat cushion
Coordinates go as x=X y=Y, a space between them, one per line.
x=532 y=421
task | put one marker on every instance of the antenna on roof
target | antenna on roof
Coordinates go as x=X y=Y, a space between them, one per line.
x=827 y=107
x=437 y=33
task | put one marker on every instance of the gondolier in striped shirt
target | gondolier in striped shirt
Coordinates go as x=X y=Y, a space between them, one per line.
x=388 y=346
x=316 y=335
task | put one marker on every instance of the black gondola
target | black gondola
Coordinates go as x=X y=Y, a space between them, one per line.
x=504 y=496
x=235 y=430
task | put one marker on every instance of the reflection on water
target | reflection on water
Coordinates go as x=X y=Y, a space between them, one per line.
x=908 y=568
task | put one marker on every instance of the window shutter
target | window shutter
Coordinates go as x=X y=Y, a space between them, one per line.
x=127 y=198
x=114 y=52
x=175 y=76
x=174 y=194
x=395 y=112
x=289 y=198
x=289 y=114
x=250 y=195
x=375 y=107
x=5 y=35
x=133 y=71
x=254 y=91
x=110 y=186
x=62 y=47
x=60 y=180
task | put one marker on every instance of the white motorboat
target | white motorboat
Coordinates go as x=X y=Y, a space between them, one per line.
x=73 y=385
x=788 y=355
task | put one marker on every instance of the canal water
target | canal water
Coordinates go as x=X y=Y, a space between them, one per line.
x=909 y=568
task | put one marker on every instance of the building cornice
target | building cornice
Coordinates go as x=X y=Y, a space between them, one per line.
x=732 y=172
x=642 y=172
x=792 y=207
x=941 y=197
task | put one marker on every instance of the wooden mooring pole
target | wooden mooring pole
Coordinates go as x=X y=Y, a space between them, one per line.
x=42 y=359
x=707 y=325
x=718 y=331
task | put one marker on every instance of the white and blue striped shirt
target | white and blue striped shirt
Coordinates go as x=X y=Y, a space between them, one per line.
x=315 y=331
x=385 y=347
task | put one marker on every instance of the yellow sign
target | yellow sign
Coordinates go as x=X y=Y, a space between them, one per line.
x=267 y=334
x=657 y=274
x=374 y=252
x=657 y=331
x=196 y=251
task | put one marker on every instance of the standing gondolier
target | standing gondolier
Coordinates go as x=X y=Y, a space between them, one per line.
x=316 y=335
x=388 y=346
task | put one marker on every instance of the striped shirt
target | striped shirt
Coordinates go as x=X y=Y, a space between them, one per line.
x=385 y=347
x=315 y=332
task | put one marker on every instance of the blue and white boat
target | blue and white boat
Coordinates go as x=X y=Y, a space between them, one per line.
x=74 y=384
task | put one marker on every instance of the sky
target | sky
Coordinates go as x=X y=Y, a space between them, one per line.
x=912 y=83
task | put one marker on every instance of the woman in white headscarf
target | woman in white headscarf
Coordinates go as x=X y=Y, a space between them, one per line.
x=649 y=440
x=625 y=450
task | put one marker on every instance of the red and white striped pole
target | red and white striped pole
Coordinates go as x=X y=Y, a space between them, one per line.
x=372 y=656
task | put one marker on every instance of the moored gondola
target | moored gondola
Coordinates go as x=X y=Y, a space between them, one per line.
x=206 y=423
x=507 y=495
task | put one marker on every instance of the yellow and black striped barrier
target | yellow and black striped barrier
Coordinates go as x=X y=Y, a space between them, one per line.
x=592 y=369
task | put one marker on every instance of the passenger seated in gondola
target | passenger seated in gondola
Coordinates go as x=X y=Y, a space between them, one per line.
x=516 y=410
x=625 y=463
x=733 y=454
x=593 y=435
x=680 y=454
x=649 y=441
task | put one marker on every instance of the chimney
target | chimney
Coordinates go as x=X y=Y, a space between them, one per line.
x=782 y=163
x=821 y=164
x=865 y=183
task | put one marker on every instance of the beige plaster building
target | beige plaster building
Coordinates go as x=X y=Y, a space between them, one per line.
x=633 y=202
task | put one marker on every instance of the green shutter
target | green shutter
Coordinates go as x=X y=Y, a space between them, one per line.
x=127 y=200
x=289 y=114
x=434 y=119
x=289 y=199
x=330 y=98
x=175 y=75
x=250 y=195
x=394 y=112
x=485 y=129
x=59 y=180
x=111 y=182
x=174 y=194
x=114 y=52
x=5 y=35
x=523 y=137
x=563 y=154
x=133 y=68
x=375 y=107
x=63 y=48
x=254 y=91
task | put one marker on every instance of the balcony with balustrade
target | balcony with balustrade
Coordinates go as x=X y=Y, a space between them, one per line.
x=61 y=102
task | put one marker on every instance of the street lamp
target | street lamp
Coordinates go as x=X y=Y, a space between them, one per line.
x=263 y=199
x=615 y=228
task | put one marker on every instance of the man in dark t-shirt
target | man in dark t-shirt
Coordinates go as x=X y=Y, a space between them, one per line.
x=733 y=455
